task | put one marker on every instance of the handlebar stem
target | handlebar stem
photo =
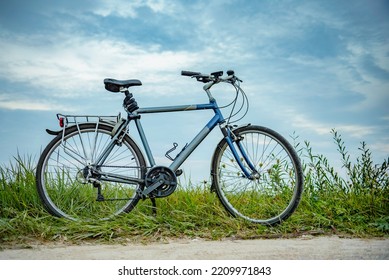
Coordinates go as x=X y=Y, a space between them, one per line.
x=208 y=85
x=211 y=98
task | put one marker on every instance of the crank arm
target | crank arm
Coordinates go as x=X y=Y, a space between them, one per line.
x=154 y=186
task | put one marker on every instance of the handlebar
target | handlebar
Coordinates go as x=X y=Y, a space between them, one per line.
x=190 y=73
x=215 y=77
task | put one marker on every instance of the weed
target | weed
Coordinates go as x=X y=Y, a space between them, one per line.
x=356 y=204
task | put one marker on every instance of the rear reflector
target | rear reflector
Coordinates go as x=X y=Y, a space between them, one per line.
x=61 y=122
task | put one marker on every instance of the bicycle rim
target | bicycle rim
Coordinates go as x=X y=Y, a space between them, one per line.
x=274 y=192
x=61 y=181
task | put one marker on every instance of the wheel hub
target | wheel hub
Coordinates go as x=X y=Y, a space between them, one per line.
x=88 y=174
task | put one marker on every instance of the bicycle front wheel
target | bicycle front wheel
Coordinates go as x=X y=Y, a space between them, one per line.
x=274 y=191
x=64 y=165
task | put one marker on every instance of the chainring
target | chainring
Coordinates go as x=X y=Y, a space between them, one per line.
x=162 y=174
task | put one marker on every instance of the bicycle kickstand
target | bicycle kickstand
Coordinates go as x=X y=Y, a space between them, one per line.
x=154 y=207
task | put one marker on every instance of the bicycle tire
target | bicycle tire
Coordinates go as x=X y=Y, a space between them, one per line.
x=275 y=192
x=59 y=176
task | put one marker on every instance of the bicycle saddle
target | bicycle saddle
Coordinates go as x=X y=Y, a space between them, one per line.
x=115 y=85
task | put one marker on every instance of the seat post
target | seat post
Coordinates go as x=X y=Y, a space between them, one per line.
x=129 y=102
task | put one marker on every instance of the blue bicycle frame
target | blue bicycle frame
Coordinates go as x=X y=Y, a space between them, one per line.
x=217 y=119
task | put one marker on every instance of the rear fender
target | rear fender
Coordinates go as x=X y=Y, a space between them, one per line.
x=53 y=132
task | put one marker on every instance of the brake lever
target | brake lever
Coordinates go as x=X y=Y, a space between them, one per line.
x=232 y=78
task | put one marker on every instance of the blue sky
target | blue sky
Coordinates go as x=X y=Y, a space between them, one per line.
x=307 y=67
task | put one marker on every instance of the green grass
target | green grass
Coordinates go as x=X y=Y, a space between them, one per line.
x=354 y=205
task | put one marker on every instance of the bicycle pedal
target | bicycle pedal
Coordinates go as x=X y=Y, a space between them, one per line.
x=179 y=172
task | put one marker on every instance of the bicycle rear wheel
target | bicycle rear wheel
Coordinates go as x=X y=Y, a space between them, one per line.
x=62 y=169
x=273 y=193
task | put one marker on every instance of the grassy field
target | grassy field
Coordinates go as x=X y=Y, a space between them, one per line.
x=354 y=205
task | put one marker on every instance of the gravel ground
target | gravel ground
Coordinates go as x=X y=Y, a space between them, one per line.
x=303 y=248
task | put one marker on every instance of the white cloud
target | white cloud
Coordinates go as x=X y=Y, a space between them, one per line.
x=386 y=118
x=125 y=8
x=70 y=65
x=381 y=147
x=302 y=121
x=12 y=103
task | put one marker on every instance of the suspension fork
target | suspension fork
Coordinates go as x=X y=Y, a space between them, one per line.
x=240 y=156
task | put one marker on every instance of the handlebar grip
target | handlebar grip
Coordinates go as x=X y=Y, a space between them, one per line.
x=190 y=73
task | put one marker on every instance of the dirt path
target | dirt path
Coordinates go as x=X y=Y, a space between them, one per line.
x=318 y=248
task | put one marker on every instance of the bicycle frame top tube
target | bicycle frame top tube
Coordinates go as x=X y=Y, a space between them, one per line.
x=166 y=109
x=184 y=154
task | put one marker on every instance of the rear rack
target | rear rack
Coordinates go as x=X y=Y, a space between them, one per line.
x=77 y=120
x=70 y=120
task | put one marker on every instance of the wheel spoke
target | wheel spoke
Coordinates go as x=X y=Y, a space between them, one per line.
x=65 y=174
x=275 y=192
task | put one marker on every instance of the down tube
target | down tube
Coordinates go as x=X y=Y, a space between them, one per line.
x=194 y=143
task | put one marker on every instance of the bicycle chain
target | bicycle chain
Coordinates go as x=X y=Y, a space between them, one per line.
x=119 y=166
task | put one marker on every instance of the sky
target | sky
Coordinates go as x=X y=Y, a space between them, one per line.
x=307 y=67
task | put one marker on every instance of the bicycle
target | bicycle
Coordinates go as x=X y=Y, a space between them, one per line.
x=93 y=168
